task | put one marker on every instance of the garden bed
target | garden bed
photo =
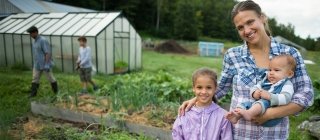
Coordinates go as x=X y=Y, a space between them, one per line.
x=76 y=115
x=101 y=106
x=30 y=127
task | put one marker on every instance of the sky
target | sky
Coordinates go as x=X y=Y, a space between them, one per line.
x=303 y=15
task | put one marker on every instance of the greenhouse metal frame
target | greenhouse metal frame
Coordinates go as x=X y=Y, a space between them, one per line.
x=109 y=34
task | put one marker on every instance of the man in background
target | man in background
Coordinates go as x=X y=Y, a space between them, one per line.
x=42 y=62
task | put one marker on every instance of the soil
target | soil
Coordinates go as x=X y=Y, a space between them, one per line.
x=29 y=126
x=145 y=117
x=101 y=107
x=171 y=46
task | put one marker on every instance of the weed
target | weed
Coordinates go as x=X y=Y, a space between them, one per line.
x=133 y=91
x=316 y=88
x=20 y=66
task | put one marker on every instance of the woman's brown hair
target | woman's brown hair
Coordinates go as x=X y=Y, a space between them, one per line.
x=252 y=6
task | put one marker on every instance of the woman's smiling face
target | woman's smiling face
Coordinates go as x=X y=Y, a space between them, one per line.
x=250 y=26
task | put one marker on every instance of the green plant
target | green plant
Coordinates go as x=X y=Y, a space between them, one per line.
x=71 y=133
x=56 y=133
x=20 y=66
x=135 y=90
x=13 y=101
x=295 y=133
x=316 y=89
x=121 y=64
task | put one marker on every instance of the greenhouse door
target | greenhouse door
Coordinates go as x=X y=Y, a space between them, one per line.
x=121 y=53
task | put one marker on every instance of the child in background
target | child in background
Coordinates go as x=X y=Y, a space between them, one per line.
x=275 y=89
x=84 y=65
x=205 y=120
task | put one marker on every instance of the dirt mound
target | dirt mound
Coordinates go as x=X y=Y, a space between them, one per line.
x=170 y=46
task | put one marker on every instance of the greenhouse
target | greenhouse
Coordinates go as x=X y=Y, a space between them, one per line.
x=113 y=40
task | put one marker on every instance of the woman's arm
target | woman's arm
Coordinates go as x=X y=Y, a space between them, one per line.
x=278 y=112
x=227 y=74
x=186 y=105
x=302 y=97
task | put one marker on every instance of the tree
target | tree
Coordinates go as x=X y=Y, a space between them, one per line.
x=217 y=20
x=287 y=31
x=186 y=23
x=309 y=43
x=187 y=19
x=167 y=15
x=317 y=46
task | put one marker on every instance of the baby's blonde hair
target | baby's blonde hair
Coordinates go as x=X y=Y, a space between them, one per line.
x=291 y=62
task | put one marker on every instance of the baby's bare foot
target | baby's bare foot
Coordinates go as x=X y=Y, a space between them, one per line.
x=246 y=114
x=233 y=116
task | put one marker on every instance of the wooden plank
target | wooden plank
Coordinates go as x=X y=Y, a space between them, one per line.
x=78 y=116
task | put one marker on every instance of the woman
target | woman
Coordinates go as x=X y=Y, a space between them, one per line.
x=243 y=67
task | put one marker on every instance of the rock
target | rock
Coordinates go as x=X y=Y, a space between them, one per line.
x=314 y=118
x=314 y=128
x=304 y=125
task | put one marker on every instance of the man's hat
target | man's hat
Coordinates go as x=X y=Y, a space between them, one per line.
x=32 y=29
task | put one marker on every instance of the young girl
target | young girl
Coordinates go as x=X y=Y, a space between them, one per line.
x=205 y=120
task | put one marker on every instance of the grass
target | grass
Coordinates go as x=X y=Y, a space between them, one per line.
x=180 y=65
x=67 y=132
x=296 y=134
x=12 y=102
x=313 y=70
x=15 y=87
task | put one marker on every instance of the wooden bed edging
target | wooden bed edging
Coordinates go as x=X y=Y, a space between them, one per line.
x=78 y=116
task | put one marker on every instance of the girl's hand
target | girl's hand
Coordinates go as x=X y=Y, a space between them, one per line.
x=186 y=105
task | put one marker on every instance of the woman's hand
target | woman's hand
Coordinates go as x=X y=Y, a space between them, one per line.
x=186 y=105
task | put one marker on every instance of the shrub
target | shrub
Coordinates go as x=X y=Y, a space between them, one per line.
x=316 y=88
x=20 y=66
x=136 y=90
x=121 y=64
